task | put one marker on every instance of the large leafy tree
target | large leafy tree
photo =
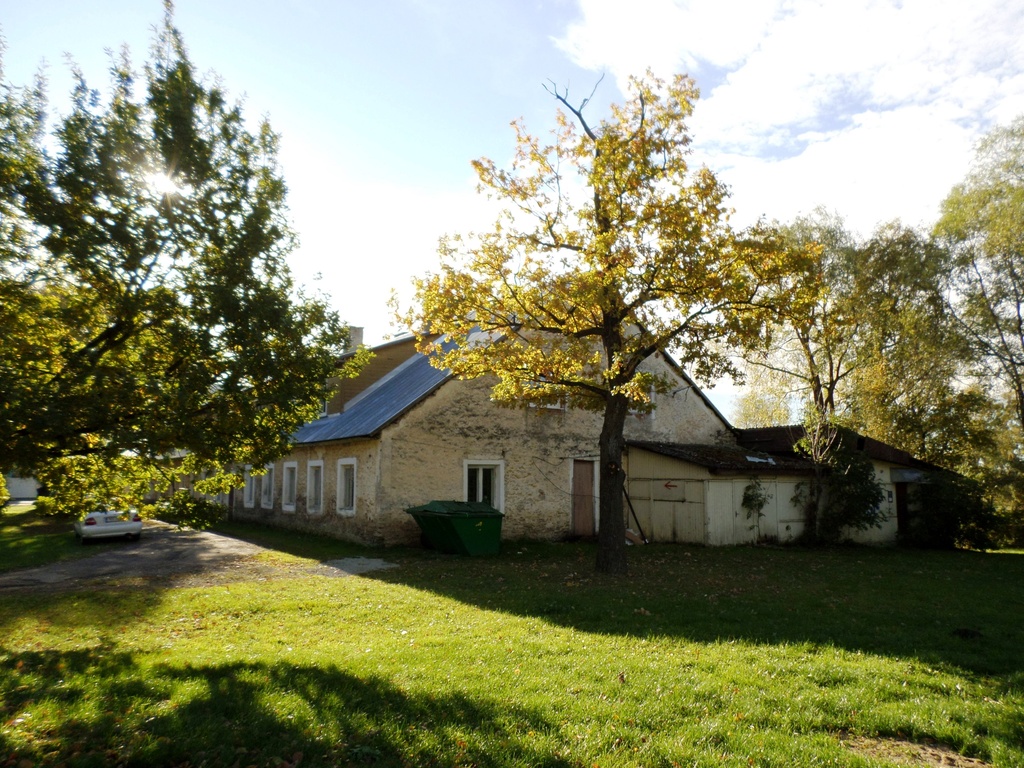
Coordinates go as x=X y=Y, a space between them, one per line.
x=862 y=338
x=983 y=223
x=912 y=385
x=146 y=306
x=609 y=248
x=810 y=351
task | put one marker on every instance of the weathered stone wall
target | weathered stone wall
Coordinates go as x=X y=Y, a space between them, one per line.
x=363 y=526
x=680 y=416
x=423 y=456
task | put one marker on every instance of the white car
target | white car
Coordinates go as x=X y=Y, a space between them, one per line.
x=105 y=524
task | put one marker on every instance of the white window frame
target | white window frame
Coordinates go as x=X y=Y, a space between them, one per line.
x=343 y=489
x=498 y=465
x=267 y=488
x=289 y=494
x=315 y=487
x=249 y=492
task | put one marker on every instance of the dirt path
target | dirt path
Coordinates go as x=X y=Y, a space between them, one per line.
x=911 y=754
x=175 y=557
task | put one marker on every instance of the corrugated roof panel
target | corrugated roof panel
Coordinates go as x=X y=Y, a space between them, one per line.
x=376 y=407
x=778 y=440
x=725 y=457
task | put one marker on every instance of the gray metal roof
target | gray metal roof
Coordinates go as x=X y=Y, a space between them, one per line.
x=373 y=409
x=726 y=458
x=776 y=440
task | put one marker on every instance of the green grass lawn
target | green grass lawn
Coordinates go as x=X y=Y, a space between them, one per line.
x=706 y=657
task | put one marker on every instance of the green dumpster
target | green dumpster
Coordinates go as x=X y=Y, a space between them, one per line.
x=460 y=527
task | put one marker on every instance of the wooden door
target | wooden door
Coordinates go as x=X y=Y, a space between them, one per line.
x=583 y=498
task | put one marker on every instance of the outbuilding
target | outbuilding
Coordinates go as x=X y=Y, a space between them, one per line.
x=693 y=493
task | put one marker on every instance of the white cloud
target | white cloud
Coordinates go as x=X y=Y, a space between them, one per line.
x=663 y=35
x=887 y=165
x=869 y=107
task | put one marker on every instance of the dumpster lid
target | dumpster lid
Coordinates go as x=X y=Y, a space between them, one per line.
x=455 y=508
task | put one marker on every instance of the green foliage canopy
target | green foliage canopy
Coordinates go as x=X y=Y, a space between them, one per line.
x=952 y=511
x=146 y=306
x=865 y=339
x=983 y=223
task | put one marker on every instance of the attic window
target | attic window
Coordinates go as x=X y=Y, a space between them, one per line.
x=642 y=413
x=760 y=460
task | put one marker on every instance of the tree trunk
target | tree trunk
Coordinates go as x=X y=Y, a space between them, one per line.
x=611 y=537
x=819 y=441
x=815 y=506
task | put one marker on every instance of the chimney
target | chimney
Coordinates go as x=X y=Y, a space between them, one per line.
x=355 y=337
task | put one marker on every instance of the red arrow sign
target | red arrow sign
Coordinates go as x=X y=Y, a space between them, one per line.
x=670 y=484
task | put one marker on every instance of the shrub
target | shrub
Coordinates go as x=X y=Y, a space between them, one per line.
x=853 y=495
x=755 y=498
x=1011 y=528
x=846 y=488
x=47 y=505
x=4 y=495
x=188 y=511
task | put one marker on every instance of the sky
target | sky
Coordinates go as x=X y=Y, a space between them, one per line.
x=869 y=109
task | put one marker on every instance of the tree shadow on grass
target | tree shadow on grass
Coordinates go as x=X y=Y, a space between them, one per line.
x=99 y=707
x=957 y=608
x=99 y=610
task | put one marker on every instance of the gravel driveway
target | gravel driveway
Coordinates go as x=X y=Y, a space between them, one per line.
x=175 y=557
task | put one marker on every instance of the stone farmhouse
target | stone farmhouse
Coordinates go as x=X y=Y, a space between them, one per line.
x=403 y=433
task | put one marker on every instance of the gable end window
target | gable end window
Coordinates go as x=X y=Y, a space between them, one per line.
x=557 y=405
x=346 y=498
